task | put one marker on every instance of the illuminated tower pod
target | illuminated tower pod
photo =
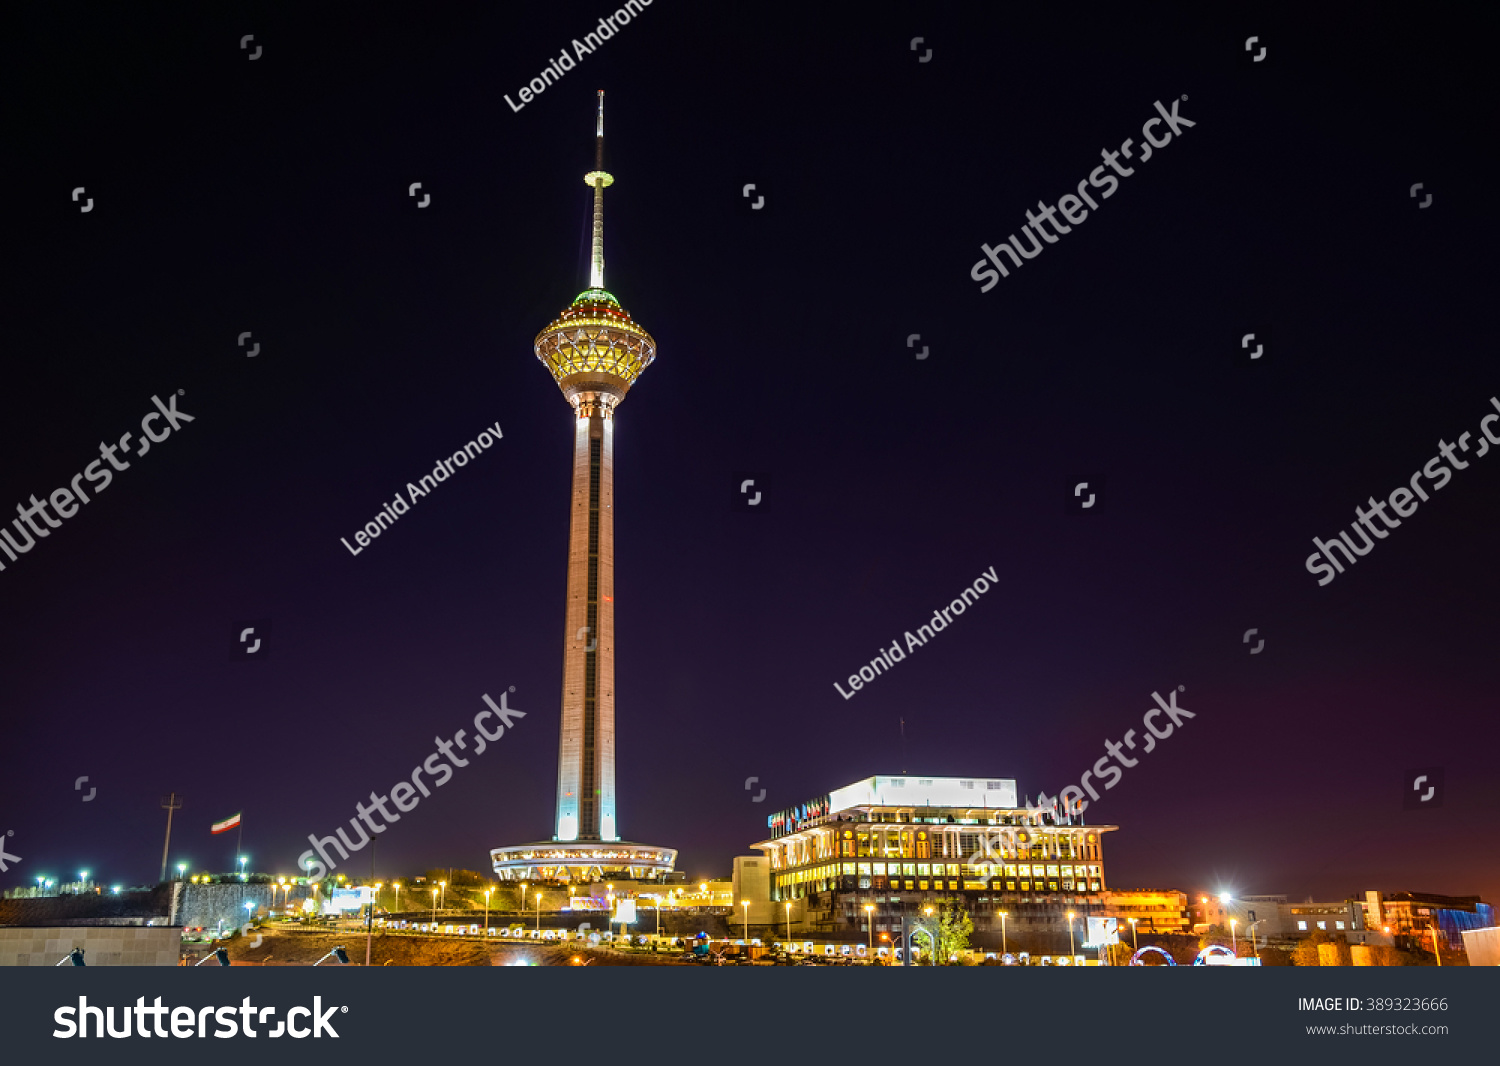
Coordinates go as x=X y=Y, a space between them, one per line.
x=595 y=351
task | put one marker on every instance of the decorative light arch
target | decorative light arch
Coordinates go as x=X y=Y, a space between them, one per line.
x=1135 y=960
x=1212 y=949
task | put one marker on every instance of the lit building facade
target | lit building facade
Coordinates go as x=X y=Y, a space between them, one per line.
x=1415 y=914
x=1154 y=911
x=595 y=351
x=899 y=844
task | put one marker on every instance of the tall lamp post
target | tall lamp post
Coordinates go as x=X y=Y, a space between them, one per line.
x=1233 y=939
x=487 y=910
x=397 y=886
x=745 y=903
x=870 y=926
x=1072 y=947
x=1003 y=949
x=788 y=906
x=443 y=901
x=1435 y=949
x=931 y=939
x=434 y=907
x=1135 y=944
x=538 y=898
x=1254 y=946
x=524 y=887
x=242 y=868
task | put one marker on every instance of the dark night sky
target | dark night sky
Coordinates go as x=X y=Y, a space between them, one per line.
x=271 y=196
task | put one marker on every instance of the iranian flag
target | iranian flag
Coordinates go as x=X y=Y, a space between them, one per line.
x=232 y=822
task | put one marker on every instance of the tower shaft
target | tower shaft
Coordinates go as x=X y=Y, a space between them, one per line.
x=586 y=759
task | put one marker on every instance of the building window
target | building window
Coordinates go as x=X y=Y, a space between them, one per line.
x=1323 y=925
x=1338 y=925
x=1302 y=926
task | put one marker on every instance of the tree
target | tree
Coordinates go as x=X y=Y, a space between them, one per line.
x=952 y=927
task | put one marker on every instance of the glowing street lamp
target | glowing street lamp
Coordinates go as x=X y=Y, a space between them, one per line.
x=931 y=937
x=83 y=875
x=397 y=886
x=1232 y=938
x=243 y=875
x=1072 y=946
x=1135 y=945
x=538 y=898
x=487 y=907
x=1003 y=949
x=869 y=926
x=789 y=921
x=444 y=886
x=434 y=906
x=181 y=870
x=745 y=903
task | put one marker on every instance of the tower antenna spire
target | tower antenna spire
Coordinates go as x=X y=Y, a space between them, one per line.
x=598 y=180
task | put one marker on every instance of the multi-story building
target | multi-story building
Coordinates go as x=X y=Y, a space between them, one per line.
x=897 y=845
x=1413 y=914
x=1154 y=911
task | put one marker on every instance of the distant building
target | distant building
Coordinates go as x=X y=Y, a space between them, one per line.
x=899 y=844
x=1414 y=913
x=1154 y=911
x=752 y=885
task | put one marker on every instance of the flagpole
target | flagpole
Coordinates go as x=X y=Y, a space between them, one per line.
x=239 y=837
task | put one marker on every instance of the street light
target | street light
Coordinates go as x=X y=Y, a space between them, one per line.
x=1232 y=938
x=444 y=886
x=870 y=926
x=538 y=898
x=181 y=870
x=788 y=906
x=1254 y=947
x=746 y=904
x=397 y=886
x=487 y=909
x=1072 y=947
x=83 y=875
x=1003 y=915
x=242 y=867
x=931 y=937
x=1135 y=945
x=434 y=906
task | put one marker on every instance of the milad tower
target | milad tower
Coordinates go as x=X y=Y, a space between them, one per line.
x=595 y=351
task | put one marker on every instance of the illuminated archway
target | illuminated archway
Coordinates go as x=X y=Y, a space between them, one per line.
x=1135 y=960
x=1212 y=949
